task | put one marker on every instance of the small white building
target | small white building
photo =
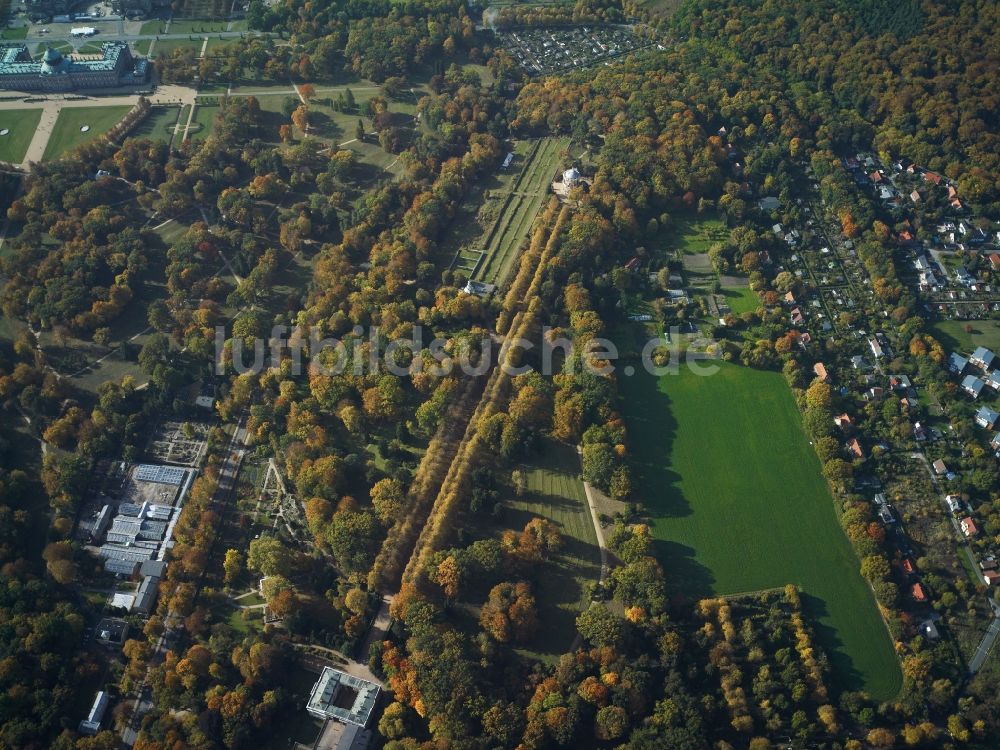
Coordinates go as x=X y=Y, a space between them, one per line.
x=92 y=724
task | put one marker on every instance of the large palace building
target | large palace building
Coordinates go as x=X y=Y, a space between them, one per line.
x=116 y=66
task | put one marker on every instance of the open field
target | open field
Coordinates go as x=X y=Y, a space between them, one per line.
x=737 y=503
x=203 y=120
x=741 y=299
x=67 y=135
x=691 y=234
x=953 y=336
x=22 y=124
x=555 y=492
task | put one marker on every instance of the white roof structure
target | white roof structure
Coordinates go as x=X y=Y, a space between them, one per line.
x=173 y=475
x=92 y=724
x=342 y=697
x=571 y=175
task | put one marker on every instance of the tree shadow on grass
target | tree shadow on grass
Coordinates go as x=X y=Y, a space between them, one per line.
x=844 y=674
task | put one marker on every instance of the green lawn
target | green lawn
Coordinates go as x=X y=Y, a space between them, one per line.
x=952 y=334
x=691 y=233
x=22 y=124
x=164 y=47
x=204 y=117
x=555 y=491
x=737 y=503
x=19 y=32
x=159 y=124
x=67 y=135
x=741 y=299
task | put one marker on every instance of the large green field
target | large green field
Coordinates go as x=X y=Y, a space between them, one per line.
x=22 y=124
x=737 y=503
x=67 y=135
x=952 y=334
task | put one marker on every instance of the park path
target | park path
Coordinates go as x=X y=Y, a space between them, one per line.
x=51 y=107
x=595 y=517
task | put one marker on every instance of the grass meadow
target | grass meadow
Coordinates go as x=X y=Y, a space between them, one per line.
x=66 y=133
x=22 y=124
x=555 y=492
x=737 y=503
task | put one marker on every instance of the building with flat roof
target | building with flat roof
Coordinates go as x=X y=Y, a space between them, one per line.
x=92 y=724
x=342 y=697
x=115 y=66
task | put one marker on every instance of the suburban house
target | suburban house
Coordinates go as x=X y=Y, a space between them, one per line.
x=968 y=526
x=885 y=514
x=821 y=372
x=990 y=577
x=857 y=362
x=789 y=298
x=954 y=503
x=876 y=348
x=986 y=417
x=957 y=363
x=982 y=358
x=929 y=630
x=907 y=566
x=918 y=593
x=855 y=449
x=995 y=442
x=940 y=467
x=842 y=421
x=993 y=380
x=972 y=386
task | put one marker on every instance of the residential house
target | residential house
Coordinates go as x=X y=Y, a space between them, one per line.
x=915 y=196
x=886 y=515
x=992 y=379
x=919 y=433
x=907 y=566
x=918 y=593
x=972 y=386
x=876 y=348
x=957 y=363
x=843 y=421
x=899 y=382
x=855 y=449
x=987 y=417
x=982 y=358
x=820 y=369
x=995 y=442
x=954 y=503
x=995 y=261
x=963 y=277
x=857 y=362
x=932 y=177
x=940 y=467
x=770 y=203
x=968 y=526
x=789 y=298
x=797 y=317
x=990 y=577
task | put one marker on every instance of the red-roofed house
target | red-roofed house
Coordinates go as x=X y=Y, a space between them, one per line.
x=995 y=261
x=968 y=526
x=905 y=237
x=855 y=448
x=990 y=577
x=918 y=593
x=820 y=369
x=844 y=420
x=932 y=177
x=908 y=566
x=915 y=196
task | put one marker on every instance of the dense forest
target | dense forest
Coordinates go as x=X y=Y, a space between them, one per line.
x=739 y=101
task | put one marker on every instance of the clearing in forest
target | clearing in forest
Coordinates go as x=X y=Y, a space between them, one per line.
x=737 y=503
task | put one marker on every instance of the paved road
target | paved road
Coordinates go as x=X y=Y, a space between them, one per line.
x=986 y=645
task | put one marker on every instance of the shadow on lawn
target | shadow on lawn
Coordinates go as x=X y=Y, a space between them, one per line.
x=844 y=675
x=652 y=431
